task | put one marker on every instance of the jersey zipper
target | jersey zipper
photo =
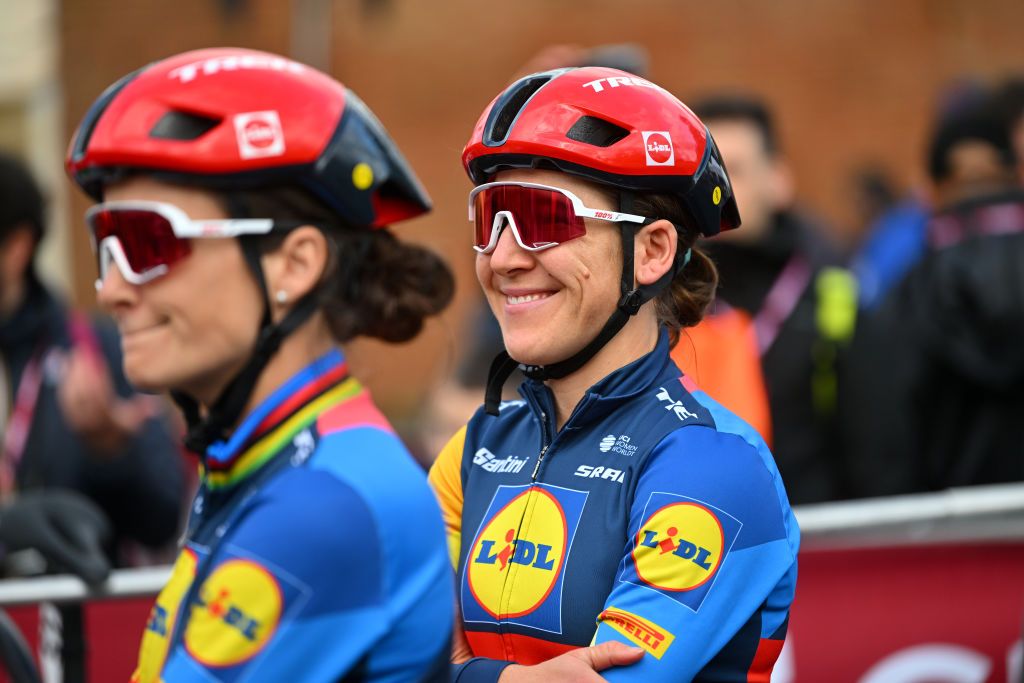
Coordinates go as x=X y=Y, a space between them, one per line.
x=540 y=458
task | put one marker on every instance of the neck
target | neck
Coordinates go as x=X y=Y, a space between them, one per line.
x=309 y=341
x=636 y=339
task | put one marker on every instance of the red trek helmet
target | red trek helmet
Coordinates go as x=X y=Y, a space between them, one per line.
x=235 y=119
x=609 y=127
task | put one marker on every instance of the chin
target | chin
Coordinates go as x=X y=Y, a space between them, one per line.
x=145 y=380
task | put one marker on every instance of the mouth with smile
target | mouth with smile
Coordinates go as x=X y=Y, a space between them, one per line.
x=131 y=333
x=521 y=298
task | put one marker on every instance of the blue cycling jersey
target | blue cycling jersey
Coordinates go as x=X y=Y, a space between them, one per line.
x=653 y=516
x=315 y=551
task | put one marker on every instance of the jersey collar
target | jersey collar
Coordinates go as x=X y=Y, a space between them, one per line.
x=292 y=407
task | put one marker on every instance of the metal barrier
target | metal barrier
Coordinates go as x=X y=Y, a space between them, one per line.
x=861 y=546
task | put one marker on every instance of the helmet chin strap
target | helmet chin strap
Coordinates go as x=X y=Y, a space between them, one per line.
x=225 y=412
x=630 y=301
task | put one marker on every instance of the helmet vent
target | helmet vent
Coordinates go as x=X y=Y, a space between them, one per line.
x=510 y=103
x=178 y=125
x=594 y=131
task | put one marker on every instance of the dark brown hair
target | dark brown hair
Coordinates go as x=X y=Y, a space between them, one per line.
x=685 y=301
x=374 y=285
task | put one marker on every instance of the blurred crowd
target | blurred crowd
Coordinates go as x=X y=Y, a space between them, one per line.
x=887 y=367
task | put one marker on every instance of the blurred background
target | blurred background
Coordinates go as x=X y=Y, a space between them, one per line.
x=856 y=88
x=853 y=86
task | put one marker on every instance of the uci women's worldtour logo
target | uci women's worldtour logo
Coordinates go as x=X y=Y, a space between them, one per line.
x=680 y=547
x=515 y=567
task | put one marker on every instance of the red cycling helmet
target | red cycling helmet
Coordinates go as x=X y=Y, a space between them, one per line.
x=236 y=119
x=610 y=127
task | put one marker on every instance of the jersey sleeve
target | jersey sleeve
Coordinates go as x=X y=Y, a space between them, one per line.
x=709 y=568
x=446 y=479
x=294 y=588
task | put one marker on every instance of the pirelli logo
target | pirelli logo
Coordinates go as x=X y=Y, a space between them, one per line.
x=650 y=637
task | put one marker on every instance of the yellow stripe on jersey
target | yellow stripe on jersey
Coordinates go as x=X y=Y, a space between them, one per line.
x=446 y=480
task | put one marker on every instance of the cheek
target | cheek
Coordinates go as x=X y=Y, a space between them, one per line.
x=218 y=301
x=483 y=270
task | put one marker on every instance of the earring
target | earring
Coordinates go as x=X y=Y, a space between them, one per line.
x=281 y=296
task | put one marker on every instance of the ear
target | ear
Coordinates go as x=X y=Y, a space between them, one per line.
x=654 y=250
x=295 y=267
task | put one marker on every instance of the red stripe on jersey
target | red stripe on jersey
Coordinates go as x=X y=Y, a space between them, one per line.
x=760 y=670
x=512 y=647
x=357 y=412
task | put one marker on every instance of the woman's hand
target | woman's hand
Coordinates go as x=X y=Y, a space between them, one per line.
x=578 y=666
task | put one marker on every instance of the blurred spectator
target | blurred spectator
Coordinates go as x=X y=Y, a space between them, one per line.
x=70 y=420
x=1009 y=108
x=896 y=239
x=778 y=268
x=939 y=367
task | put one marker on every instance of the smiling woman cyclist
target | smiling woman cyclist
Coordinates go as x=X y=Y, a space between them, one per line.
x=241 y=237
x=617 y=501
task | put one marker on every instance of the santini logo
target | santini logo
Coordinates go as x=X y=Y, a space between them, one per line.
x=619 y=444
x=492 y=463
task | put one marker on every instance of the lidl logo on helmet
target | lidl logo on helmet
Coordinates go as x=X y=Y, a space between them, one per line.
x=515 y=573
x=658 y=148
x=680 y=546
x=235 y=615
x=259 y=134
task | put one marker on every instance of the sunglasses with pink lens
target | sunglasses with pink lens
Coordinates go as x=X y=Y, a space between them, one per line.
x=540 y=216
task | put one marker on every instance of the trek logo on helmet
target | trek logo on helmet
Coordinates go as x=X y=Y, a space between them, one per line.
x=616 y=81
x=209 y=67
x=658 y=148
x=259 y=134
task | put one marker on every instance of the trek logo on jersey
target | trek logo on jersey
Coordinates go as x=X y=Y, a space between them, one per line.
x=675 y=406
x=658 y=148
x=235 y=614
x=680 y=546
x=638 y=630
x=609 y=473
x=515 y=566
x=492 y=463
x=259 y=134
x=621 y=444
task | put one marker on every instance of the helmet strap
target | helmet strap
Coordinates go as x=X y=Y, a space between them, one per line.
x=630 y=301
x=227 y=409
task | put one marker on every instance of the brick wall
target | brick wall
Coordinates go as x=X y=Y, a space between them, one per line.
x=851 y=83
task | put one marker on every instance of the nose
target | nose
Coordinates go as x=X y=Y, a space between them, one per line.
x=508 y=256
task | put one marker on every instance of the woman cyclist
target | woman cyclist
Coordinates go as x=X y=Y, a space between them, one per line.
x=240 y=235
x=616 y=502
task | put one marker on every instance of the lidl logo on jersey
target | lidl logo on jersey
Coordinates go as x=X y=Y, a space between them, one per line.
x=164 y=615
x=618 y=444
x=235 y=615
x=515 y=567
x=492 y=463
x=680 y=547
